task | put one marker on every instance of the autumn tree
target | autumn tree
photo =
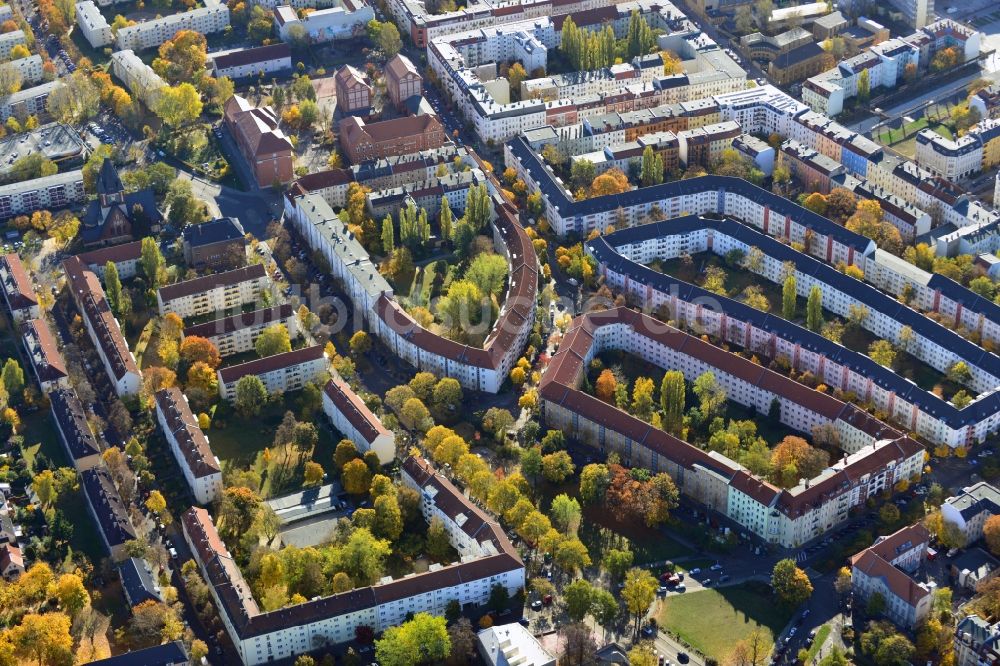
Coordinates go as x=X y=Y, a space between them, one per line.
x=251 y=395
x=991 y=533
x=421 y=640
x=182 y=58
x=638 y=593
x=868 y=220
x=790 y=583
x=196 y=349
x=672 y=400
x=356 y=477
x=178 y=105
x=273 y=340
x=814 y=309
x=793 y=459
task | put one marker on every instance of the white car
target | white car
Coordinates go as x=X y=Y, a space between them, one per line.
x=695 y=571
x=716 y=567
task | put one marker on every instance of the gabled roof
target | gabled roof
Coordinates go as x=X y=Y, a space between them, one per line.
x=16 y=283
x=108 y=181
x=267 y=364
x=354 y=409
x=71 y=416
x=219 y=230
x=43 y=352
x=205 y=283
x=183 y=427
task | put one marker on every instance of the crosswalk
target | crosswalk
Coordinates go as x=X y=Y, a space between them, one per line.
x=801 y=557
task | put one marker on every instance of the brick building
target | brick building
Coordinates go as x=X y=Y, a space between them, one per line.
x=266 y=149
x=362 y=142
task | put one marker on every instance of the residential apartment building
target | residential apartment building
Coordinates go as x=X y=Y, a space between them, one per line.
x=704 y=146
x=238 y=334
x=190 y=447
x=47 y=364
x=288 y=371
x=887 y=62
x=977 y=642
x=212 y=18
x=345 y=19
x=167 y=654
x=79 y=442
x=9 y=40
x=875 y=455
x=220 y=244
x=466 y=65
x=102 y=327
x=354 y=93
x=243 y=63
x=138 y=77
x=125 y=257
x=916 y=13
x=18 y=291
x=352 y=418
x=402 y=80
x=812 y=170
x=362 y=142
x=953 y=159
x=481 y=369
x=92 y=24
x=48 y=192
x=107 y=509
x=218 y=292
x=488 y=559
x=851 y=372
x=886 y=569
x=505 y=644
x=29 y=67
x=265 y=147
x=27 y=101
x=971 y=508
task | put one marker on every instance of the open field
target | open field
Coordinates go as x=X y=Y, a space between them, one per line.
x=713 y=621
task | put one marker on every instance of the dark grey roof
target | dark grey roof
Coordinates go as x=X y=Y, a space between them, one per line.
x=214 y=231
x=558 y=197
x=168 y=654
x=604 y=251
x=137 y=581
x=108 y=181
x=112 y=516
x=71 y=417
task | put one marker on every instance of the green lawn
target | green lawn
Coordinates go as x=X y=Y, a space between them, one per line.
x=821 y=636
x=40 y=435
x=713 y=621
x=238 y=443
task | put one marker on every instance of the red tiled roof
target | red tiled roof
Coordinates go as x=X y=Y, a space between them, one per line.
x=115 y=254
x=354 y=409
x=44 y=353
x=90 y=299
x=268 y=363
x=17 y=284
x=184 y=428
x=200 y=285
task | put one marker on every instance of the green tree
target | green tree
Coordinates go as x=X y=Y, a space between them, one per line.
x=651 y=168
x=565 y=513
x=617 y=561
x=578 y=597
x=445 y=220
x=112 y=285
x=788 y=298
x=814 y=309
x=13 y=377
x=388 y=518
x=251 y=395
x=594 y=481
x=388 y=236
x=790 y=583
x=273 y=340
x=883 y=353
x=672 y=400
x=151 y=261
x=642 y=398
x=422 y=640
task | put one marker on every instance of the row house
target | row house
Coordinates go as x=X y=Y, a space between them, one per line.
x=881 y=455
x=238 y=333
x=102 y=327
x=812 y=170
x=190 y=446
x=280 y=373
x=218 y=292
x=18 y=291
x=260 y=637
